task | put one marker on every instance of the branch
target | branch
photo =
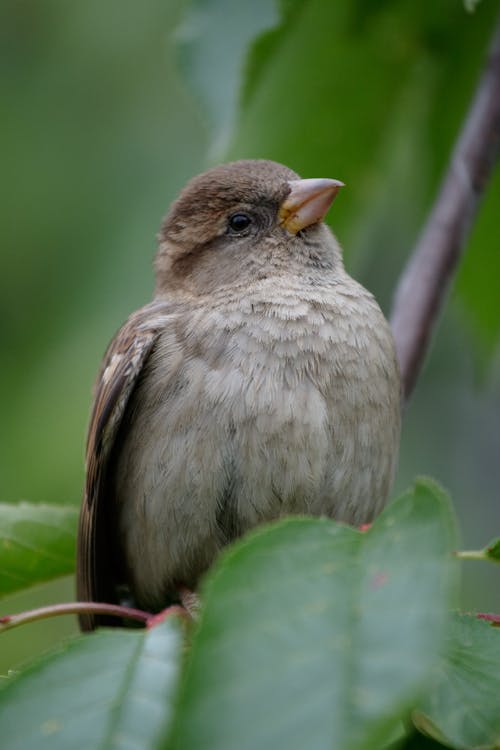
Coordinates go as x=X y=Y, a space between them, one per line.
x=425 y=280
x=7 y=622
x=489 y=617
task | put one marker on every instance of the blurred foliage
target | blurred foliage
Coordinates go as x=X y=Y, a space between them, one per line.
x=100 y=130
x=208 y=55
x=310 y=634
x=98 y=136
x=37 y=544
x=458 y=708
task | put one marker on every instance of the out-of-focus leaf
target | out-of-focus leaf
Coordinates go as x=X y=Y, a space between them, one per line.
x=480 y=268
x=328 y=93
x=493 y=550
x=214 y=38
x=264 y=46
x=113 y=689
x=316 y=635
x=461 y=706
x=37 y=543
x=471 y=5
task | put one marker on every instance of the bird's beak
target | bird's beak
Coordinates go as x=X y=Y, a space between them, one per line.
x=307 y=202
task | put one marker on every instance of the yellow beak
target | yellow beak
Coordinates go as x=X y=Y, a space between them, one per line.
x=307 y=202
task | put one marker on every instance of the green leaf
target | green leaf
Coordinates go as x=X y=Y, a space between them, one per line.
x=316 y=635
x=113 y=689
x=264 y=46
x=492 y=551
x=213 y=44
x=462 y=704
x=37 y=544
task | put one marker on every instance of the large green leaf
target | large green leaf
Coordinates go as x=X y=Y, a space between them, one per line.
x=37 y=543
x=113 y=689
x=462 y=705
x=316 y=635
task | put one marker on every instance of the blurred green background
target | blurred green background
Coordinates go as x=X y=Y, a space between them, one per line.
x=104 y=118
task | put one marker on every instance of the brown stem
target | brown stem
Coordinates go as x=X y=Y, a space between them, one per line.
x=425 y=280
x=73 y=608
x=489 y=617
x=7 y=622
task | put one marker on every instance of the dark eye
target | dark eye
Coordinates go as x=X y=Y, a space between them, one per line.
x=239 y=222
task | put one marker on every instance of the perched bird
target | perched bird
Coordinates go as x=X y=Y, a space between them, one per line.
x=261 y=381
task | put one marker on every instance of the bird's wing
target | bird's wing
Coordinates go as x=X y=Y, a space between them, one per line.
x=97 y=560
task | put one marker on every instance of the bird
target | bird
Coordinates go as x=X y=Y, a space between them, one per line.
x=260 y=382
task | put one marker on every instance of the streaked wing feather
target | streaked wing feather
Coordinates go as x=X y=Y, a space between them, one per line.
x=122 y=365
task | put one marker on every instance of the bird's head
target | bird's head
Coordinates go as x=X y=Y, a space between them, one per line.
x=245 y=220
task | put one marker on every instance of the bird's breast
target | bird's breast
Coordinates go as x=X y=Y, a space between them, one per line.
x=255 y=408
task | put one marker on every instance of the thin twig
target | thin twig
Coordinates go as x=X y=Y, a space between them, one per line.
x=472 y=554
x=73 y=608
x=489 y=617
x=7 y=622
x=425 y=280
x=478 y=554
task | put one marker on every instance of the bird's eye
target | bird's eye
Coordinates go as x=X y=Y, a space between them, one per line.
x=239 y=222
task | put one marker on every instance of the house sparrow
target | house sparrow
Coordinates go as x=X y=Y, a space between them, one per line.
x=261 y=381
